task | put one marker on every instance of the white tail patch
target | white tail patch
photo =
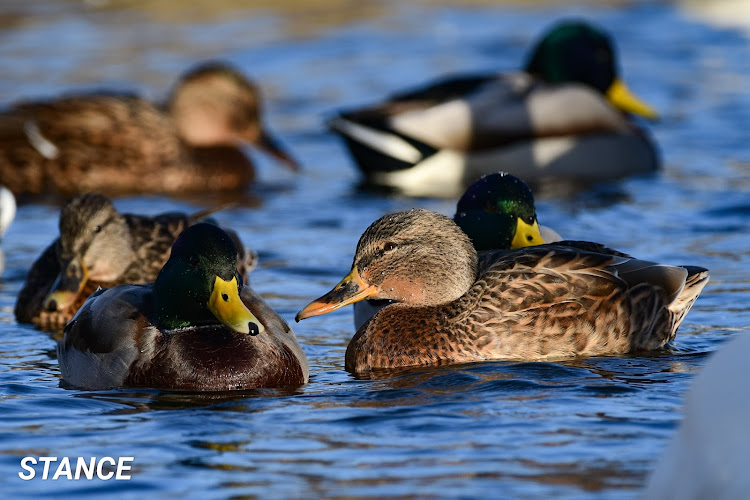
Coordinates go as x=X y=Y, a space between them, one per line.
x=383 y=142
x=44 y=146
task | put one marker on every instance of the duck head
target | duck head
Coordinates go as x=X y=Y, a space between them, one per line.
x=200 y=285
x=95 y=244
x=215 y=105
x=416 y=257
x=576 y=51
x=497 y=212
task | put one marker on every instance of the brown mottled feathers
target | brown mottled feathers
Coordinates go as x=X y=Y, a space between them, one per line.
x=552 y=301
x=120 y=144
x=112 y=144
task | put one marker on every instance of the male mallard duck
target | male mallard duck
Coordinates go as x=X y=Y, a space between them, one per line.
x=565 y=116
x=99 y=246
x=116 y=143
x=195 y=328
x=550 y=301
x=496 y=212
x=7 y=214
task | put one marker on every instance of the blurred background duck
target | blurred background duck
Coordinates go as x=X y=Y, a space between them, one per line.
x=545 y=302
x=117 y=143
x=7 y=214
x=197 y=327
x=101 y=247
x=565 y=116
x=496 y=212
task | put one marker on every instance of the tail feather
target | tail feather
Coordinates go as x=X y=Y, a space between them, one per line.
x=696 y=279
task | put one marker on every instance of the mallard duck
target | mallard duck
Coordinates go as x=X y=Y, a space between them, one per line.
x=195 y=328
x=496 y=212
x=100 y=247
x=544 y=302
x=564 y=117
x=117 y=143
x=7 y=214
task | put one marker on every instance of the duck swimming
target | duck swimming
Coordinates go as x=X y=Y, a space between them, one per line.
x=566 y=116
x=101 y=247
x=119 y=144
x=195 y=328
x=545 y=302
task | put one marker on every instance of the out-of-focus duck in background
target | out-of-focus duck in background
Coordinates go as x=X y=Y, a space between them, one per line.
x=567 y=116
x=100 y=247
x=116 y=143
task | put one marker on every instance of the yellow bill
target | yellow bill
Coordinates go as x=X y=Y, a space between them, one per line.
x=527 y=235
x=225 y=303
x=622 y=98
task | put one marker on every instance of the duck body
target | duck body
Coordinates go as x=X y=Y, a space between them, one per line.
x=545 y=302
x=101 y=247
x=122 y=144
x=197 y=327
x=114 y=341
x=551 y=303
x=561 y=118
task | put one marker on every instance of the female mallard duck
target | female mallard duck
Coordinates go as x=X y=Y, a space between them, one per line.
x=496 y=212
x=119 y=144
x=550 y=301
x=195 y=328
x=7 y=214
x=99 y=246
x=565 y=117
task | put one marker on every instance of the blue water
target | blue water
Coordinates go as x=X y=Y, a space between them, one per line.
x=584 y=429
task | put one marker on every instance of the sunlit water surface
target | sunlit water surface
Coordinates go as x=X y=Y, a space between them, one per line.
x=590 y=428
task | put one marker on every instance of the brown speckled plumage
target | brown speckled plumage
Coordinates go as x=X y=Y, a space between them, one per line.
x=552 y=301
x=117 y=144
x=116 y=248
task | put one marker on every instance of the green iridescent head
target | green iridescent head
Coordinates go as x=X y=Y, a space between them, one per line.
x=576 y=51
x=497 y=212
x=200 y=285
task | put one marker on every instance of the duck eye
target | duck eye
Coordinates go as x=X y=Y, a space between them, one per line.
x=194 y=260
x=225 y=297
x=389 y=247
x=97 y=228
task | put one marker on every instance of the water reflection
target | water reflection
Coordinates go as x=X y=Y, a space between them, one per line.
x=134 y=402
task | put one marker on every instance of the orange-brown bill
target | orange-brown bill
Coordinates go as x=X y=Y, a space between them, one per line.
x=351 y=289
x=67 y=286
x=270 y=145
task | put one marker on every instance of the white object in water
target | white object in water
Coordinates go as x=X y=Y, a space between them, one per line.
x=710 y=454
x=7 y=214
